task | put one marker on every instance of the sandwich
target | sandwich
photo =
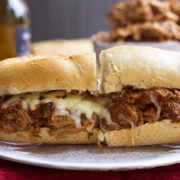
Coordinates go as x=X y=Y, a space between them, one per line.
x=59 y=99
x=47 y=99
x=143 y=85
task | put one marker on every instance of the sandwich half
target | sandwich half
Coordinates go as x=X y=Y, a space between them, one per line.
x=48 y=99
x=142 y=85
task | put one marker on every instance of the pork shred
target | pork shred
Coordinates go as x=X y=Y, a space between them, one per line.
x=130 y=108
x=15 y=117
x=137 y=107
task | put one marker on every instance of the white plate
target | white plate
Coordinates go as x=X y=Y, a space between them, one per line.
x=91 y=157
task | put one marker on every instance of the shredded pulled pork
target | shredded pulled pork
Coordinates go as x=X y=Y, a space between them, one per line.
x=130 y=108
x=14 y=118
x=17 y=115
x=142 y=106
x=144 y=20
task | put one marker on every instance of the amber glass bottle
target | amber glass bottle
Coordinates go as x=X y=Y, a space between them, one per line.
x=15 y=36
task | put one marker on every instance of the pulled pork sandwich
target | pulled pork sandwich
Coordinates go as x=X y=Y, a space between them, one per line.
x=143 y=87
x=48 y=99
x=54 y=99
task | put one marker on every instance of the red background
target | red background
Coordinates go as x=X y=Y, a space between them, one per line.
x=15 y=171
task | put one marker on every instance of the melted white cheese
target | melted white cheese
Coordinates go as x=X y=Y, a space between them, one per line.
x=101 y=136
x=71 y=105
x=133 y=126
x=32 y=100
x=158 y=107
x=76 y=105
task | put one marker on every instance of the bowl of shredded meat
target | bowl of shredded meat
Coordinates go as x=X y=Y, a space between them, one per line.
x=142 y=22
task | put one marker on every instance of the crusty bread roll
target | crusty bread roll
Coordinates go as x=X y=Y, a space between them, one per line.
x=45 y=73
x=140 y=67
x=161 y=132
x=51 y=137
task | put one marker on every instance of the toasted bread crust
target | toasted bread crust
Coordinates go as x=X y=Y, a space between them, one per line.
x=45 y=136
x=162 y=132
x=140 y=67
x=45 y=73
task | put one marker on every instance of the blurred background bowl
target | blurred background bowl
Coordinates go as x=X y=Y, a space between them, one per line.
x=101 y=45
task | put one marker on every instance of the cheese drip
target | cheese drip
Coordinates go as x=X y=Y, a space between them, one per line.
x=76 y=106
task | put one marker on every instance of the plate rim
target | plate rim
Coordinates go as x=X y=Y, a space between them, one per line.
x=144 y=164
